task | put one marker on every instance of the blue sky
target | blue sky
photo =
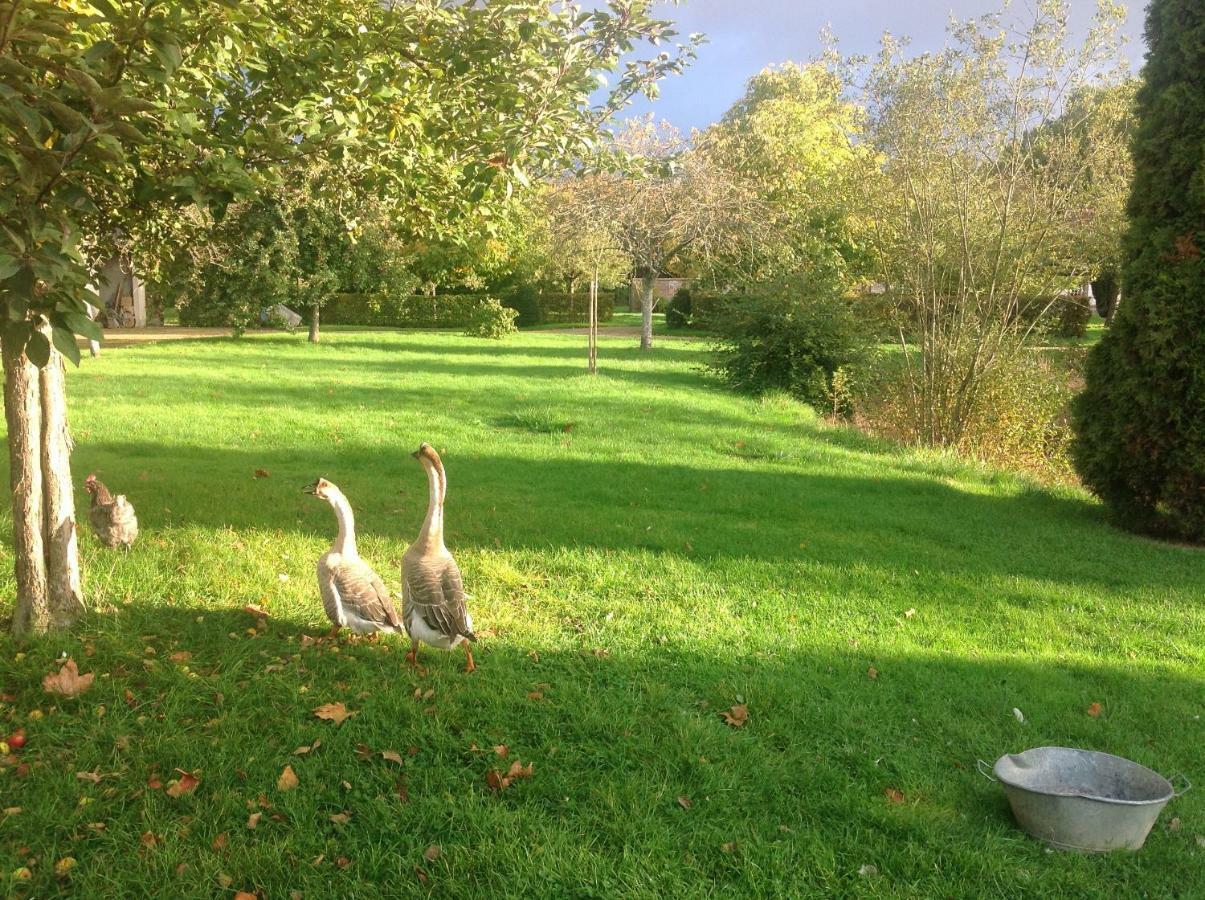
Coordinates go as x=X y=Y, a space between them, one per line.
x=744 y=36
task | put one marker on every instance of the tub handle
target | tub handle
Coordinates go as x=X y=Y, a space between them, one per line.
x=985 y=769
x=1187 y=785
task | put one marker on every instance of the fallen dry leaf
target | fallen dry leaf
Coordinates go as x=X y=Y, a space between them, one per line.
x=685 y=802
x=401 y=791
x=186 y=784
x=872 y=673
x=894 y=795
x=68 y=682
x=261 y=613
x=262 y=473
x=220 y=842
x=421 y=875
x=153 y=781
x=225 y=880
x=1094 y=710
x=432 y=853
x=287 y=780
x=309 y=748
x=93 y=776
x=253 y=819
x=63 y=867
x=868 y=870
x=737 y=716
x=502 y=750
x=392 y=756
x=518 y=770
x=728 y=847
x=181 y=869
x=333 y=712
x=246 y=895
x=180 y=656
x=342 y=862
x=340 y=818
x=148 y=839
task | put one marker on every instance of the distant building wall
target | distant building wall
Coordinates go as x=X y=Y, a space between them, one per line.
x=663 y=289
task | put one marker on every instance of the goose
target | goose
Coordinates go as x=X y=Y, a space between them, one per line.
x=432 y=591
x=353 y=595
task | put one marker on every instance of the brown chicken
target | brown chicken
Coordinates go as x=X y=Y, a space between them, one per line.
x=112 y=518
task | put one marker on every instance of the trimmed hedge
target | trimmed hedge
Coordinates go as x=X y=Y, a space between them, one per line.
x=536 y=307
x=574 y=308
x=407 y=310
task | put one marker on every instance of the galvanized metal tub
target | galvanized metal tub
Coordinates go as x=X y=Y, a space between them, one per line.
x=1081 y=799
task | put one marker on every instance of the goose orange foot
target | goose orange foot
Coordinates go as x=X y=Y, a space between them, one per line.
x=469 y=666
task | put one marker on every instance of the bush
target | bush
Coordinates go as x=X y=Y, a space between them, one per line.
x=677 y=314
x=525 y=301
x=1140 y=422
x=492 y=320
x=793 y=336
x=1020 y=420
x=1072 y=314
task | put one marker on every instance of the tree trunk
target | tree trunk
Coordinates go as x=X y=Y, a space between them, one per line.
x=314 y=312
x=22 y=409
x=592 y=362
x=64 y=593
x=646 y=311
x=154 y=309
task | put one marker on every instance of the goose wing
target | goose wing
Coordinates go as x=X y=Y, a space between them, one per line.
x=362 y=592
x=437 y=594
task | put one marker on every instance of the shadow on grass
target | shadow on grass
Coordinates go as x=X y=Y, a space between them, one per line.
x=794 y=801
x=893 y=523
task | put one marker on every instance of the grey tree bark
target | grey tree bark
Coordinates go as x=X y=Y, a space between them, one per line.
x=647 y=283
x=64 y=591
x=22 y=410
x=314 y=315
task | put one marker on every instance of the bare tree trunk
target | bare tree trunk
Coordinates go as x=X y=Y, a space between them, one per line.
x=314 y=313
x=65 y=594
x=593 y=351
x=647 y=283
x=22 y=409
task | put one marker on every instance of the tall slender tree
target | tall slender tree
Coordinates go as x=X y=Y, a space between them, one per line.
x=1140 y=421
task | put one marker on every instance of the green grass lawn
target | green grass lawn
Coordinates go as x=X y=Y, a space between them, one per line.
x=643 y=550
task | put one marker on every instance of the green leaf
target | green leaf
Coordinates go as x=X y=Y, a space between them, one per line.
x=86 y=82
x=82 y=326
x=37 y=348
x=8 y=266
x=169 y=54
x=64 y=341
x=127 y=132
x=70 y=119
